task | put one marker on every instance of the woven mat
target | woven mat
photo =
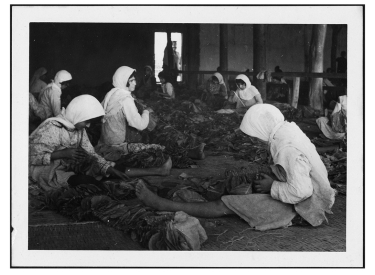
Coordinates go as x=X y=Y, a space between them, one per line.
x=234 y=234
x=79 y=236
x=48 y=230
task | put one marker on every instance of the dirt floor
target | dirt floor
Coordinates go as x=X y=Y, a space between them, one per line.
x=49 y=230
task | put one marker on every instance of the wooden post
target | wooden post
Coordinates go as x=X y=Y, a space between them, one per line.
x=260 y=57
x=295 y=93
x=307 y=44
x=224 y=50
x=193 y=53
x=316 y=84
x=335 y=34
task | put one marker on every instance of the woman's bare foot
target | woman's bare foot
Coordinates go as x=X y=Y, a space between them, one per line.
x=165 y=169
x=197 y=152
x=146 y=196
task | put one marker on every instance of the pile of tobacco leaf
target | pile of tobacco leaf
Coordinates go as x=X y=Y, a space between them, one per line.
x=186 y=124
x=115 y=204
x=335 y=161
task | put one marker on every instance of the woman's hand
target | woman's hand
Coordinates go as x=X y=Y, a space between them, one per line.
x=149 y=110
x=118 y=174
x=75 y=153
x=264 y=185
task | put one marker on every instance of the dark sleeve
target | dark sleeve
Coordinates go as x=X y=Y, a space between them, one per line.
x=153 y=82
x=223 y=90
x=140 y=83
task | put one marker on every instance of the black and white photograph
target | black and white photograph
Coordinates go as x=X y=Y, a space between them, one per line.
x=187 y=136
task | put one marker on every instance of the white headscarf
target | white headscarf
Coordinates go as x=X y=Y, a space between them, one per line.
x=62 y=76
x=220 y=78
x=38 y=73
x=36 y=84
x=120 y=80
x=260 y=120
x=81 y=108
x=152 y=71
x=250 y=91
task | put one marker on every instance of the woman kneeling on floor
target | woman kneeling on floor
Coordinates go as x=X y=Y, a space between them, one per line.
x=121 y=113
x=302 y=187
x=60 y=152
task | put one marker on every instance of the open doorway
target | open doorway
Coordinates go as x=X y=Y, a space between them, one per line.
x=160 y=44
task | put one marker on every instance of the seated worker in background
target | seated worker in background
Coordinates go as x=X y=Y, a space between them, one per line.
x=278 y=79
x=302 y=186
x=246 y=94
x=37 y=84
x=60 y=153
x=166 y=86
x=50 y=97
x=37 y=113
x=333 y=125
x=326 y=81
x=215 y=92
x=120 y=114
x=147 y=84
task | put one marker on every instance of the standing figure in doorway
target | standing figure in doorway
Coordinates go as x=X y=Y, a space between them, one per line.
x=176 y=56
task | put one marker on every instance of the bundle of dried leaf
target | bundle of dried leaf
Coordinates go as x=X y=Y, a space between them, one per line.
x=113 y=203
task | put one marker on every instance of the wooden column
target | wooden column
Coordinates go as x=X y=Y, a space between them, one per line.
x=317 y=50
x=260 y=57
x=307 y=44
x=335 y=34
x=193 y=49
x=295 y=92
x=224 y=49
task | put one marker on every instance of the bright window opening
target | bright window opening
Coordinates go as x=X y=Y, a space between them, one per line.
x=160 y=44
